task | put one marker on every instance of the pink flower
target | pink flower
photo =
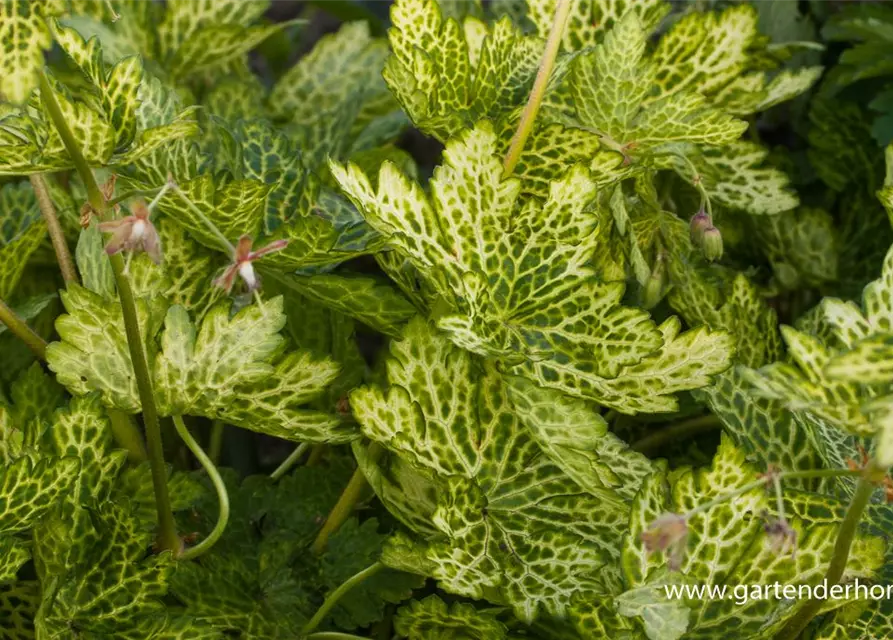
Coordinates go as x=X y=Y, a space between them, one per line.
x=668 y=533
x=242 y=266
x=133 y=233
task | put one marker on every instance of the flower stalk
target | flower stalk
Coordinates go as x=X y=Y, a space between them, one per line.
x=219 y=486
x=54 y=228
x=167 y=538
x=338 y=593
x=547 y=63
x=346 y=502
x=23 y=332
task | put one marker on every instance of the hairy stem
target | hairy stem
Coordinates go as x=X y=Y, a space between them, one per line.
x=676 y=432
x=871 y=476
x=219 y=487
x=528 y=116
x=54 y=228
x=346 y=502
x=22 y=331
x=338 y=593
x=167 y=532
x=290 y=461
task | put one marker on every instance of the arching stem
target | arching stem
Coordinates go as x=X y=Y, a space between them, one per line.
x=338 y=593
x=219 y=487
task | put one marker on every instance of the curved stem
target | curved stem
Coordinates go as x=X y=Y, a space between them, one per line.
x=346 y=502
x=54 y=228
x=290 y=461
x=338 y=593
x=23 y=332
x=676 y=432
x=167 y=530
x=528 y=116
x=871 y=477
x=219 y=487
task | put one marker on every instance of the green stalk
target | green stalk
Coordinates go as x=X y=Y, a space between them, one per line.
x=23 y=332
x=167 y=531
x=868 y=482
x=338 y=593
x=54 y=228
x=346 y=502
x=127 y=435
x=215 y=446
x=333 y=635
x=676 y=432
x=547 y=63
x=290 y=461
x=219 y=487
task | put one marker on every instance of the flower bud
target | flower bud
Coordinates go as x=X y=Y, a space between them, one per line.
x=700 y=222
x=655 y=285
x=711 y=244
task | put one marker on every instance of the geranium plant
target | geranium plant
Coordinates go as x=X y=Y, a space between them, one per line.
x=519 y=319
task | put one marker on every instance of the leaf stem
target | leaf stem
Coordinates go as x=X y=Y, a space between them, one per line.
x=167 y=532
x=54 y=228
x=338 y=593
x=676 y=432
x=349 y=497
x=290 y=461
x=219 y=487
x=332 y=635
x=127 y=435
x=871 y=476
x=547 y=63
x=23 y=332
x=215 y=445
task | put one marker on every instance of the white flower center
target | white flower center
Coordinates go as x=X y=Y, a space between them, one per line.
x=137 y=231
x=246 y=270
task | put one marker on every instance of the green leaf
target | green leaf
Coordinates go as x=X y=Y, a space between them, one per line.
x=18 y=606
x=25 y=36
x=559 y=325
x=589 y=20
x=662 y=618
x=112 y=587
x=611 y=87
x=29 y=488
x=13 y=554
x=733 y=177
x=234 y=369
x=509 y=519
x=449 y=75
x=92 y=354
x=374 y=303
x=22 y=231
x=742 y=553
x=576 y=438
x=93 y=263
x=340 y=76
x=432 y=619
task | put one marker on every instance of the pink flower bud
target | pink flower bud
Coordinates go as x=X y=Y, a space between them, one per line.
x=700 y=222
